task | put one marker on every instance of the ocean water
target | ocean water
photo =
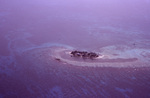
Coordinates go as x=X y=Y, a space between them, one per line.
x=32 y=32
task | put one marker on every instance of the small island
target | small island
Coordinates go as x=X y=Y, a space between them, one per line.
x=93 y=59
x=84 y=54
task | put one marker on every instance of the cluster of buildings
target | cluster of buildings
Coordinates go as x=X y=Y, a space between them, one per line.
x=84 y=54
